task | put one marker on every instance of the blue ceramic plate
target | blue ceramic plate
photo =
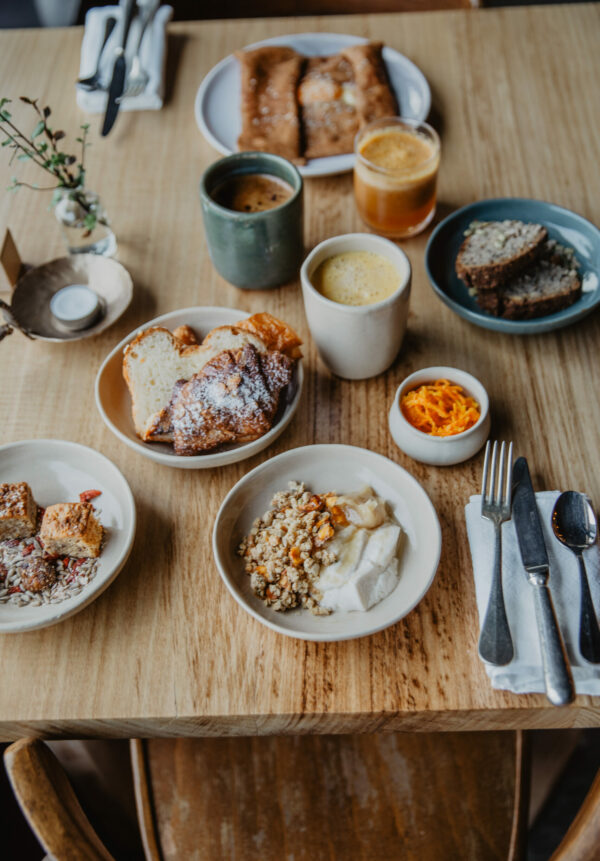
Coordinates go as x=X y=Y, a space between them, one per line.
x=564 y=226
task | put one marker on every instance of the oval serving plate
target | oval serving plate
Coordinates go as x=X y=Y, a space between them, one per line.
x=114 y=402
x=58 y=471
x=565 y=226
x=221 y=86
x=341 y=468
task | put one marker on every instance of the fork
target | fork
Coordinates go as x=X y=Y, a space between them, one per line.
x=495 y=642
x=138 y=77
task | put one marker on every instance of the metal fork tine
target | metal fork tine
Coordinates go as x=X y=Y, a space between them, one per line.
x=500 y=485
x=508 y=492
x=493 y=471
x=486 y=466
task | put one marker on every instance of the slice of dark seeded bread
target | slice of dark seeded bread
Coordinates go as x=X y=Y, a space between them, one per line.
x=549 y=285
x=493 y=252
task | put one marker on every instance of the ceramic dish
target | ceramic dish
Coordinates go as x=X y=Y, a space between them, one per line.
x=114 y=402
x=435 y=450
x=357 y=341
x=221 y=86
x=562 y=224
x=34 y=291
x=58 y=471
x=341 y=468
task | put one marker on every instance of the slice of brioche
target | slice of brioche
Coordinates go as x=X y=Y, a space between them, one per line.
x=152 y=364
x=276 y=334
x=232 y=338
x=494 y=252
x=185 y=334
x=155 y=360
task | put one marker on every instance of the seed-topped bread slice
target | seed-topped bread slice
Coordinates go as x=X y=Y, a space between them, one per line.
x=549 y=285
x=494 y=252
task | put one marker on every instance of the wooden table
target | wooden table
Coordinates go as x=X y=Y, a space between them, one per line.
x=166 y=651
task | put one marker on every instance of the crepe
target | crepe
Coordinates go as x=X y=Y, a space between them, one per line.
x=270 y=114
x=311 y=107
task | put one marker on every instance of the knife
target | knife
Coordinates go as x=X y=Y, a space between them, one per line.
x=557 y=675
x=117 y=84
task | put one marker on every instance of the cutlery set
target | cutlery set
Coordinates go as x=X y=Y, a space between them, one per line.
x=124 y=83
x=507 y=493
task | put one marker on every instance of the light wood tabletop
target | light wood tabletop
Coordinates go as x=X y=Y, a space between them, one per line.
x=166 y=650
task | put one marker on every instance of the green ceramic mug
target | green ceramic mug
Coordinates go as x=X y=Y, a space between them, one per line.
x=254 y=250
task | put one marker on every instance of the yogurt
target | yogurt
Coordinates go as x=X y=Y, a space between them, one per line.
x=366 y=569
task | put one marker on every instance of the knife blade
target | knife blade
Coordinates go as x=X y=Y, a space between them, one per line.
x=117 y=83
x=557 y=675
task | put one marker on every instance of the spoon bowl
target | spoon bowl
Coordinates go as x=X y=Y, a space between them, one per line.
x=574 y=521
x=574 y=524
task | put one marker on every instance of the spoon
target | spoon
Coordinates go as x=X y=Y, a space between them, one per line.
x=574 y=524
x=92 y=83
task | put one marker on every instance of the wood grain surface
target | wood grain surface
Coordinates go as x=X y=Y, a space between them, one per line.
x=356 y=797
x=166 y=651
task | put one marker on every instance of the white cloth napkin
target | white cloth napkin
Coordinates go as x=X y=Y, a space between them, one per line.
x=524 y=673
x=153 y=55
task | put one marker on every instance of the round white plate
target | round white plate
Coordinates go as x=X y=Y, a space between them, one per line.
x=218 y=104
x=114 y=402
x=58 y=471
x=340 y=468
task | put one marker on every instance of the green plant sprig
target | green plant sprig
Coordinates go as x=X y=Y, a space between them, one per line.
x=45 y=153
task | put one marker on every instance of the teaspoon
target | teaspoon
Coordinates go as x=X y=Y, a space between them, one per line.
x=574 y=524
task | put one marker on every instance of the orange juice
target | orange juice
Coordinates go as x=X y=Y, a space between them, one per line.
x=395 y=176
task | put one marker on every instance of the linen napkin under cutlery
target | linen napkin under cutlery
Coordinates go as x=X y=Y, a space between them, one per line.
x=153 y=53
x=524 y=674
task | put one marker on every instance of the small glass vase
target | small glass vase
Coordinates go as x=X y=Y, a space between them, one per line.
x=83 y=222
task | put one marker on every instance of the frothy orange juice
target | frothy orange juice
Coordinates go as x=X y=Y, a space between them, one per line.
x=395 y=177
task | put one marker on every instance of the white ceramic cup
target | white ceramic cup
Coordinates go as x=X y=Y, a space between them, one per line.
x=357 y=341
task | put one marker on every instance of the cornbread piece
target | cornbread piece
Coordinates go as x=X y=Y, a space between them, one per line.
x=37 y=574
x=374 y=95
x=270 y=116
x=71 y=529
x=327 y=97
x=234 y=398
x=18 y=511
x=495 y=251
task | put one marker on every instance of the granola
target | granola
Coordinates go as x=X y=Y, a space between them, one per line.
x=286 y=548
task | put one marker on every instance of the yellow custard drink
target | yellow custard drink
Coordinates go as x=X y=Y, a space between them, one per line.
x=356 y=278
x=395 y=176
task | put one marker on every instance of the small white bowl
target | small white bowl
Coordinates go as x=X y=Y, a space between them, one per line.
x=114 y=402
x=436 y=450
x=342 y=468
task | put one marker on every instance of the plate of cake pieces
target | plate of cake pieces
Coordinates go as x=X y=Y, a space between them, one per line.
x=202 y=387
x=67 y=525
x=515 y=265
x=305 y=96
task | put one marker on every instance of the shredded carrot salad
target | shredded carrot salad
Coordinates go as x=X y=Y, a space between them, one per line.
x=440 y=408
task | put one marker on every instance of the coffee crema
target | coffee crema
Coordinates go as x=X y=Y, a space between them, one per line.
x=252 y=192
x=356 y=278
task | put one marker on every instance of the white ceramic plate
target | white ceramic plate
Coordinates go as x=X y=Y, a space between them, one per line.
x=58 y=471
x=114 y=402
x=341 y=468
x=217 y=105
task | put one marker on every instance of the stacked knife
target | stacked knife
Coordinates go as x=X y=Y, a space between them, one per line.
x=495 y=643
x=119 y=88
